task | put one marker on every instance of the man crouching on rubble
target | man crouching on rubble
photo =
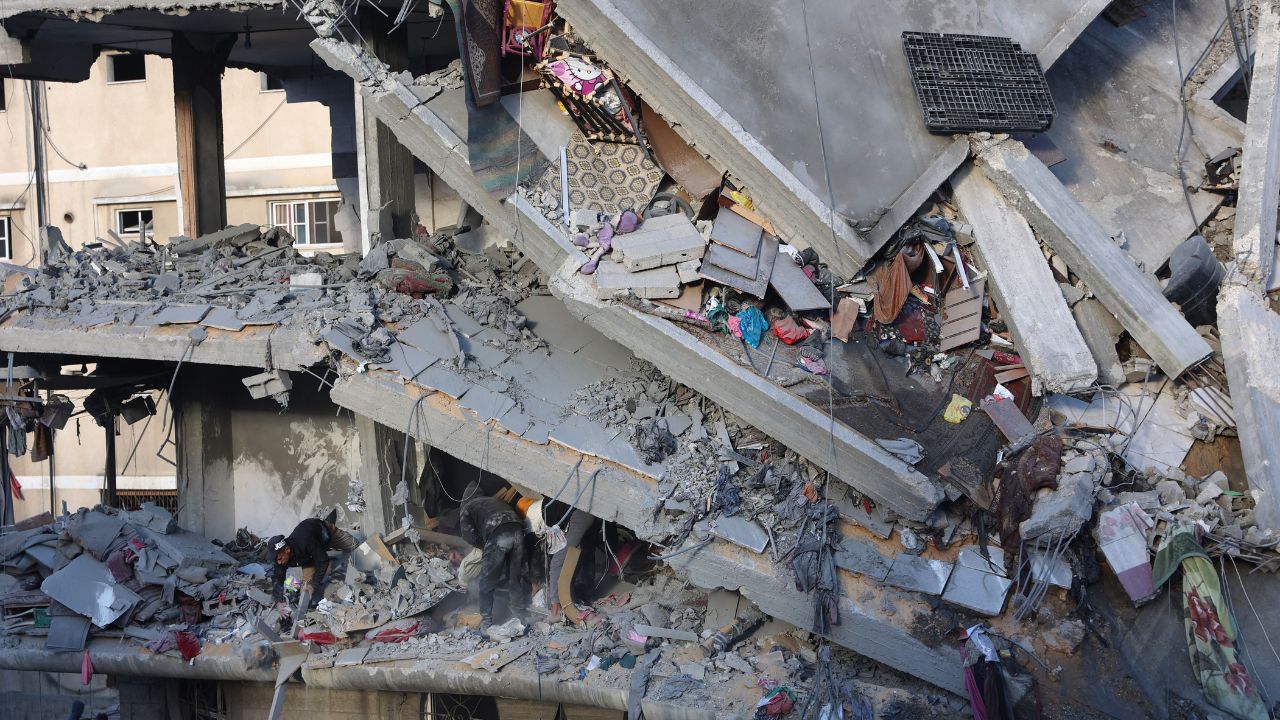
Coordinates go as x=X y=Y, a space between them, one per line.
x=494 y=526
x=307 y=547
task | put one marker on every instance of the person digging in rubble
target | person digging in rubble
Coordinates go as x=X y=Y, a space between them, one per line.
x=496 y=528
x=307 y=547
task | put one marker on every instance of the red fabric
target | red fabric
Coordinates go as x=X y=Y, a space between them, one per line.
x=894 y=282
x=324 y=637
x=14 y=484
x=86 y=669
x=188 y=645
x=395 y=632
x=779 y=704
x=789 y=332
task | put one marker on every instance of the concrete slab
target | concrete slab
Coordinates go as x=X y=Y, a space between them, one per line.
x=1124 y=173
x=795 y=288
x=662 y=282
x=1254 y=244
x=1088 y=250
x=1250 y=346
x=1030 y=301
x=727 y=96
x=854 y=459
x=621 y=494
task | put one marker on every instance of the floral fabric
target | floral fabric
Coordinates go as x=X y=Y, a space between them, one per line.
x=1211 y=638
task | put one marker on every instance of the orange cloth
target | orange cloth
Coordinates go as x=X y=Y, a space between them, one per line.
x=894 y=282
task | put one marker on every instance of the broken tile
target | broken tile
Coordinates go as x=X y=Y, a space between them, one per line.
x=977 y=584
x=223 y=319
x=87 y=587
x=741 y=531
x=862 y=558
x=912 y=572
x=462 y=322
x=182 y=314
x=795 y=288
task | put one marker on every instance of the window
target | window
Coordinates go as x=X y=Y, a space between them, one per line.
x=310 y=222
x=130 y=222
x=3 y=98
x=126 y=67
x=5 y=250
x=268 y=83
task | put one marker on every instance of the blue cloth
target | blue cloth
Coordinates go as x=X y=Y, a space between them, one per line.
x=753 y=325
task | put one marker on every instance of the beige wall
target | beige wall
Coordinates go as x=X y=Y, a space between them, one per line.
x=123 y=133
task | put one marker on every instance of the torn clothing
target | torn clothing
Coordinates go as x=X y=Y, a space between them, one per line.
x=310 y=543
x=502 y=566
x=482 y=517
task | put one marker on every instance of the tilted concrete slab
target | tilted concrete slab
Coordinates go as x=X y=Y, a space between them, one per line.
x=1030 y=301
x=1250 y=330
x=804 y=428
x=627 y=497
x=1064 y=224
x=1120 y=123
x=1254 y=245
x=1250 y=346
x=255 y=346
x=734 y=79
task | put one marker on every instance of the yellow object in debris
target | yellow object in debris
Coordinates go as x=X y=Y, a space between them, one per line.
x=742 y=199
x=958 y=409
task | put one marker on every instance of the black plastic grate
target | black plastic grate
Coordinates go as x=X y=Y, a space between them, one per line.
x=967 y=83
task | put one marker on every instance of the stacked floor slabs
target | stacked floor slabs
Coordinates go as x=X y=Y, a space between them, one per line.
x=526 y=392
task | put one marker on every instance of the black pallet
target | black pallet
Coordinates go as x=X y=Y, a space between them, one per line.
x=968 y=83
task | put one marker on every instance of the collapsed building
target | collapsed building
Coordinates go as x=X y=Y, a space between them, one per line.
x=935 y=405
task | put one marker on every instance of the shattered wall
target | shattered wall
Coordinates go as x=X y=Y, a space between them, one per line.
x=290 y=467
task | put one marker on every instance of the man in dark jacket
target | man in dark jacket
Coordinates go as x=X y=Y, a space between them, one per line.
x=307 y=547
x=494 y=526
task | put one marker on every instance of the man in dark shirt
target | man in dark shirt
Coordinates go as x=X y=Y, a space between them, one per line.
x=307 y=547
x=494 y=526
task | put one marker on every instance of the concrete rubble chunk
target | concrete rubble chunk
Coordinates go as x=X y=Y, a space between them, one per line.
x=1101 y=331
x=1030 y=301
x=1061 y=512
x=1067 y=228
x=664 y=240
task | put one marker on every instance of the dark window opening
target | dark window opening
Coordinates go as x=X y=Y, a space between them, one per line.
x=269 y=82
x=128 y=67
x=1234 y=98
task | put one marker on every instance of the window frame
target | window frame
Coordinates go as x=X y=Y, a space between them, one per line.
x=307 y=222
x=149 y=234
x=6 y=233
x=111 y=68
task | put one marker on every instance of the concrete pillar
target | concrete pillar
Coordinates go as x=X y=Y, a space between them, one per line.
x=198 y=62
x=381 y=453
x=385 y=167
x=206 y=492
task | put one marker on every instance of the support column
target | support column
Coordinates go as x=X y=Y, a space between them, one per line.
x=109 y=472
x=381 y=450
x=198 y=63
x=385 y=166
x=206 y=491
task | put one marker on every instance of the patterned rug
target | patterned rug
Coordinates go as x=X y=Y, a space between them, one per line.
x=609 y=177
